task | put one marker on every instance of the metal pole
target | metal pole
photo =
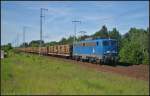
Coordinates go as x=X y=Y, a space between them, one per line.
x=75 y=32
x=24 y=30
x=41 y=15
x=17 y=39
x=40 y=32
x=75 y=29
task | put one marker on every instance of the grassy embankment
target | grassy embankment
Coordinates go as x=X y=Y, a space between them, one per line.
x=31 y=74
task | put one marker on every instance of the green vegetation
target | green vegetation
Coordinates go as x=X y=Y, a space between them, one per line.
x=103 y=32
x=32 y=74
x=135 y=47
x=7 y=47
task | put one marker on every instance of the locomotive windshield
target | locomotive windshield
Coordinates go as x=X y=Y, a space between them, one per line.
x=105 y=43
x=109 y=43
x=113 y=43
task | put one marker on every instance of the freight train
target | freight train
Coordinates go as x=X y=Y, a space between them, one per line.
x=100 y=51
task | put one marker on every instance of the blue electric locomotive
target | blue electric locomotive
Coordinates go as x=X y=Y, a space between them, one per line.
x=97 y=50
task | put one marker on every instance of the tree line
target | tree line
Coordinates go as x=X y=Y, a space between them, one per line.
x=133 y=45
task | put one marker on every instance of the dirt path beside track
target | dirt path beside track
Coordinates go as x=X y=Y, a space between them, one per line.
x=135 y=71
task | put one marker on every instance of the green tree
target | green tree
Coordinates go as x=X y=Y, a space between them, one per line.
x=114 y=34
x=25 y=44
x=70 y=39
x=36 y=43
x=135 y=47
x=102 y=33
x=51 y=43
x=7 y=47
x=63 y=41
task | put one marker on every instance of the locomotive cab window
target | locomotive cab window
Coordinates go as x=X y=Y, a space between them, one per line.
x=105 y=43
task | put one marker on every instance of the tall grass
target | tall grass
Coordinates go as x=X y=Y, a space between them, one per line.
x=33 y=74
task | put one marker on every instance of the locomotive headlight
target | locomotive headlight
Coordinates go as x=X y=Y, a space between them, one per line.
x=107 y=51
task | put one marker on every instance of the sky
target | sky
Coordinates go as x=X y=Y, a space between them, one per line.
x=58 y=19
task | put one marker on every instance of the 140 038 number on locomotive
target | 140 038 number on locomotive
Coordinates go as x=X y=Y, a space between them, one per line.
x=101 y=51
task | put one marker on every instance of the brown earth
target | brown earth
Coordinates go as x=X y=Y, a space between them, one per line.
x=134 y=71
